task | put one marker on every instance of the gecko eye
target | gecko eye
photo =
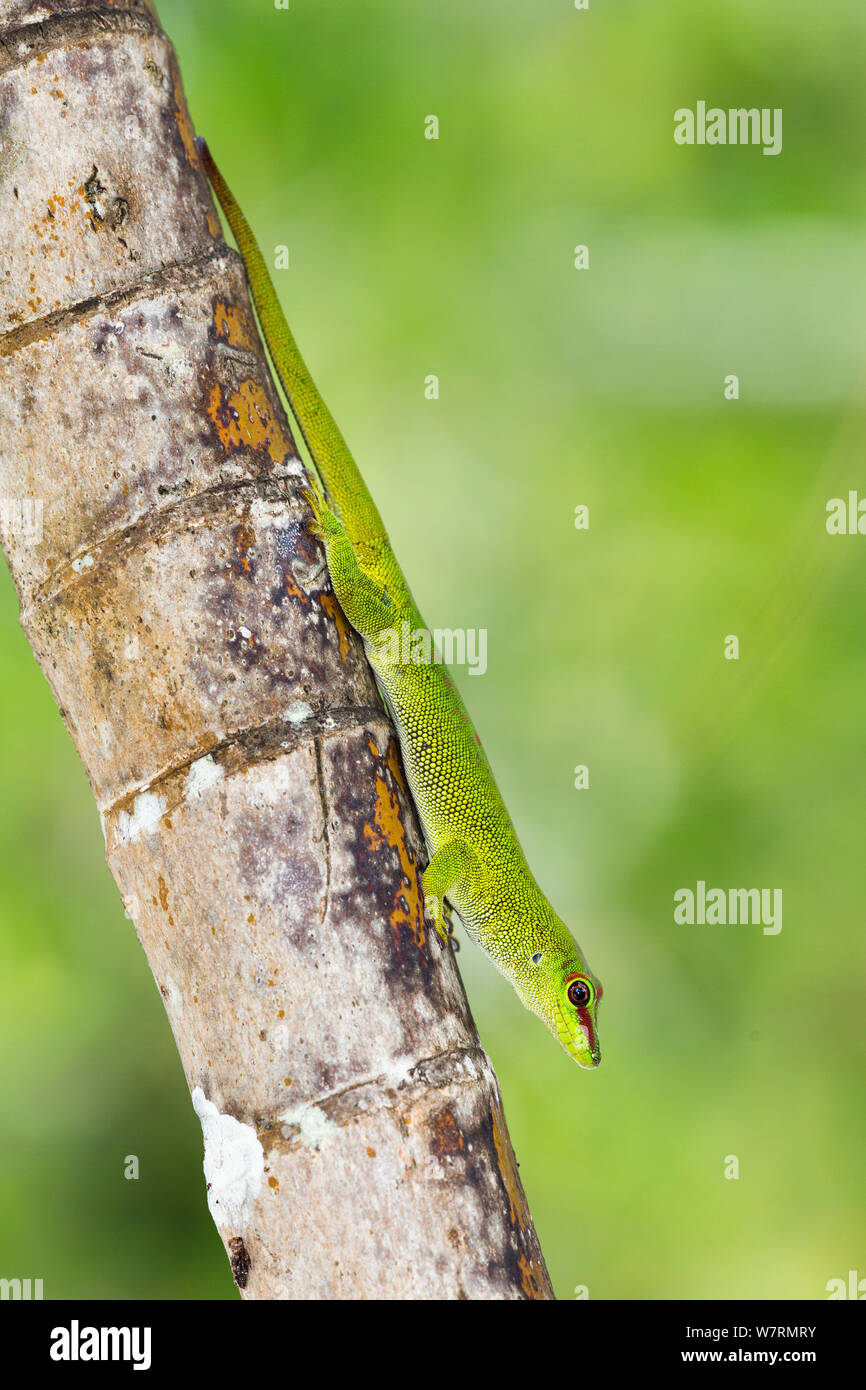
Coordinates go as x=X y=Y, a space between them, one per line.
x=579 y=993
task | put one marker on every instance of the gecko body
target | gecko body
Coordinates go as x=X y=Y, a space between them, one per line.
x=477 y=865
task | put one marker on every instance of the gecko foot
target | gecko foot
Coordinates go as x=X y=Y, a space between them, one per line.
x=440 y=917
x=323 y=522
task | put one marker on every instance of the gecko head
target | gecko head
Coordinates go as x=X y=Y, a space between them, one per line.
x=565 y=995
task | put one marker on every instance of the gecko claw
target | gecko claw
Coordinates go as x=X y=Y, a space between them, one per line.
x=323 y=522
x=440 y=918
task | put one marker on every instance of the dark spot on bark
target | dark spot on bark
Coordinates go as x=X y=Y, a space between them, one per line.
x=328 y=1076
x=248 y=651
x=103 y=332
x=447 y=1138
x=93 y=190
x=243 y=559
x=307 y=546
x=154 y=72
x=240 y=1261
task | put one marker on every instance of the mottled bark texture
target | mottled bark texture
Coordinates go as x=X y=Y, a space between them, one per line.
x=255 y=814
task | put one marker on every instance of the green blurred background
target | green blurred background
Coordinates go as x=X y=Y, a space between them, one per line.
x=558 y=387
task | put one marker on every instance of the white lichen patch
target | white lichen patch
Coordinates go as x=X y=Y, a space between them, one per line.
x=272 y=782
x=84 y=562
x=147 y=810
x=176 y=364
x=173 y=997
x=266 y=514
x=314 y=1125
x=234 y=1164
x=297 y=712
x=202 y=774
x=400 y=1070
x=280 y=1037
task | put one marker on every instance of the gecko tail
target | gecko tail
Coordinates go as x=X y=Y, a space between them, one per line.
x=327 y=448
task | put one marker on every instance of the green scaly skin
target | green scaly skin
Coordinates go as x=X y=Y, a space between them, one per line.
x=476 y=863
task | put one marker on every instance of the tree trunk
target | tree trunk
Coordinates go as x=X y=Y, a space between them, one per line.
x=255 y=815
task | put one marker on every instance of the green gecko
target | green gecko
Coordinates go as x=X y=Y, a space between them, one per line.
x=476 y=863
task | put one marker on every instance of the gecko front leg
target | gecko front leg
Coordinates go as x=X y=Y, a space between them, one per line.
x=454 y=864
x=366 y=603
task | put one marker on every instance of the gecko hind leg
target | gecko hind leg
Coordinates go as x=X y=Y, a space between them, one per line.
x=452 y=938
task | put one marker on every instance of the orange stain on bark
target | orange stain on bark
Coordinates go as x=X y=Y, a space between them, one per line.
x=532 y=1274
x=447 y=1139
x=531 y=1278
x=387 y=828
x=184 y=124
x=163 y=899
x=335 y=613
x=395 y=766
x=243 y=419
x=505 y=1159
x=232 y=325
